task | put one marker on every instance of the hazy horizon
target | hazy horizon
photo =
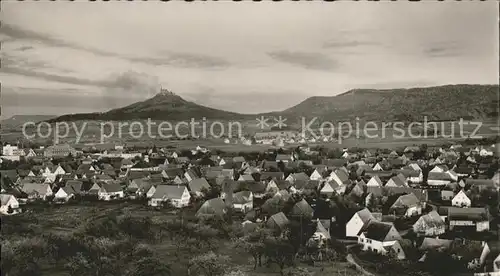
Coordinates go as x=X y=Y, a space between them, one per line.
x=237 y=57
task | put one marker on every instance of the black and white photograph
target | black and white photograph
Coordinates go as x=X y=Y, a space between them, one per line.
x=221 y=138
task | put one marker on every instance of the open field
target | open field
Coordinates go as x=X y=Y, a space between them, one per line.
x=387 y=137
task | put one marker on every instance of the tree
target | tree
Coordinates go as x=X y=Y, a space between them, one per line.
x=209 y=264
x=253 y=244
x=149 y=265
x=280 y=252
x=10 y=210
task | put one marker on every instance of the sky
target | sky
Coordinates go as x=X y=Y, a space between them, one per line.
x=72 y=57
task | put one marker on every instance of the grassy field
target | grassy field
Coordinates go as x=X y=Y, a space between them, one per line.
x=381 y=138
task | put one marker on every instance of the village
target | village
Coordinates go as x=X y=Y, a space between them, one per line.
x=405 y=205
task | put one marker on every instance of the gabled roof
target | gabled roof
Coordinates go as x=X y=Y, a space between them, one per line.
x=377 y=230
x=435 y=243
x=239 y=159
x=246 y=177
x=334 y=162
x=34 y=188
x=4 y=198
x=473 y=214
x=365 y=215
x=302 y=209
x=480 y=182
x=377 y=180
x=271 y=175
x=269 y=164
x=299 y=176
x=198 y=184
x=433 y=219
x=10 y=174
x=407 y=172
x=321 y=228
x=212 y=207
x=278 y=220
x=407 y=201
x=284 y=157
x=439 y=176
x=342 y=175
x=111 y=187
x=169 y=191
x=242 y=197
x=74 y=185
x=398 y=181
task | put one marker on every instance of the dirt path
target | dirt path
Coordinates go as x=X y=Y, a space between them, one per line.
x=351 y=260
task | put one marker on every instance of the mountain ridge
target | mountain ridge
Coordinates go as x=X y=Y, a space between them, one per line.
x=436 y=102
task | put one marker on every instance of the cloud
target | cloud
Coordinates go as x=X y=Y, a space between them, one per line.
x=348 y=43
x=187 y=60
x=15 y=32
x=176 y=59
x=314 y=61
x=442 y=49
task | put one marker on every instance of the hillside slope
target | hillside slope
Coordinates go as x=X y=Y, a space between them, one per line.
x=163 y=106
x=19 y=120
x=448 y=102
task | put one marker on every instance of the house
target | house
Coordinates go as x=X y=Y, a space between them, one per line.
x=278 y=222
x=430 y=224
x=378 y=237
x=440 y=169
x=177 y=194
x=271 y=175
x=109 y=191
x=374 y=182
x=447 y=195
x=198 y=185
x=36 y=190
x=246 y=177
x=243 y=201
x=72 y=188
x=359 y=189
x=463 y=171
x=212 y=207
x=9 y=204
x=461 y=200
x=302 y=209
x=380 y=166
x=412 y=176
x=139 y=187
x=357 y=222
x=322 y=232
x=61 y=150
x=434 y=244
x=397 y=181
x=339 y=176
x=316 y=175
x=490 y=257
x=331 y=187
x=407 y=206
x=285 y=158
x=293 y=177
x=481 y=184
x=474 y=218
x=334 y=163
x=414 y=166
x=438 y=179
